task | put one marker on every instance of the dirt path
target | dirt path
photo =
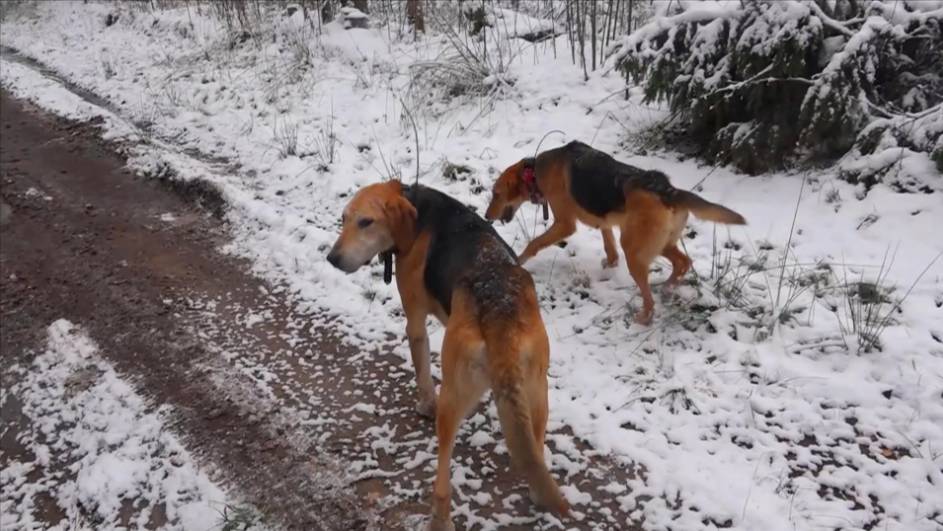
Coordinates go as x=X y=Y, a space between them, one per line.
x=313 y=433
x=84 y=241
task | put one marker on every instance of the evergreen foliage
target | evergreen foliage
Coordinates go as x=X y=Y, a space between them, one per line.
x=764 y=84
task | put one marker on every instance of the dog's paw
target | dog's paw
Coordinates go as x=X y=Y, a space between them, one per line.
x=607 y=263
x=426 y=408
x=534 y=497
x=439 y=525
x=644 y=317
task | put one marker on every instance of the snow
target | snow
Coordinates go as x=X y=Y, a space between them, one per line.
x=896 y=164
x=99 y=448
x=352 y=13
x=799 y=428
x=512 y=23
x=694 y=12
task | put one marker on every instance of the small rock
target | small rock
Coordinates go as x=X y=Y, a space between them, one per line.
x=5 y=212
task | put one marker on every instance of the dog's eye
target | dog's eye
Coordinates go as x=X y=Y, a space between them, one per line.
x=364 y=223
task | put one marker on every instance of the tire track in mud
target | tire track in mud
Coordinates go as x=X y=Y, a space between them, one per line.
x=312 y=431
x=84 y=240
x=90 y=97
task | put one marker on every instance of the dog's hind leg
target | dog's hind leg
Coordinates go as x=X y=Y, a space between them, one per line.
x=680 y=264
x=609 y=243
x=644 y=235
x=638 y=267
x=464 y=381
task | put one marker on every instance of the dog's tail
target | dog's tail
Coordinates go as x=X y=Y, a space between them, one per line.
x=704 y=209
x=657 y=183
x=515 y=415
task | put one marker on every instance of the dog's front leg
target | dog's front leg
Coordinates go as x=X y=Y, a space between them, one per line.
x=558 y=231
x=419 y=349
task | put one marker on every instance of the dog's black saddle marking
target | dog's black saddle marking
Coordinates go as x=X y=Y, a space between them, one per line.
x=464 y=248
x=598 y=182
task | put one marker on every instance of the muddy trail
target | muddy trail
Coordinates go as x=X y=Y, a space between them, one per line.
x=312 y=432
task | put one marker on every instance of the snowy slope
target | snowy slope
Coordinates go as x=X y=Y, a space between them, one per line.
x=746 y=403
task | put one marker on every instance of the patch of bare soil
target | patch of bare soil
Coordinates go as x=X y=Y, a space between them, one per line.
x=83 y=239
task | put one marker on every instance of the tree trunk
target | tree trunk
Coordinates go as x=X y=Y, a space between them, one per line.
x=612 y=18
x=327 y=10
x=581 y=30
x=593 y=33
x=553 y=38
x=628 y=29
x=629 y=20
x=569 y=32
x=414 y=14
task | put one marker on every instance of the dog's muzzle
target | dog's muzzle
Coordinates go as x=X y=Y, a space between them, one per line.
x=342 y=262
x=334 y=258
x=507 y=214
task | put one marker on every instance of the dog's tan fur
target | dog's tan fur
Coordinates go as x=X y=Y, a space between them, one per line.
x=649 y=226
x=506 y=353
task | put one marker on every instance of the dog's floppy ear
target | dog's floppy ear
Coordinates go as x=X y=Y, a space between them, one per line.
x=516 y=183
x=401 y=218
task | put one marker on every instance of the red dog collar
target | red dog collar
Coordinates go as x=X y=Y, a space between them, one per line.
x=530 y=181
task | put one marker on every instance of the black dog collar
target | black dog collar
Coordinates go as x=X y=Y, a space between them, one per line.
x=387 y=258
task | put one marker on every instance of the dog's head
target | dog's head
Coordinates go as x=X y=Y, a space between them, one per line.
x=509 y=193
x=378 y=218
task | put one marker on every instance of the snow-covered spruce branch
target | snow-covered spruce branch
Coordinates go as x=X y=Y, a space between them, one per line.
x=737 y=72
x=898 y=14
x=658 y=26
x=758 y=78
x=841 y=27
x=888 y=113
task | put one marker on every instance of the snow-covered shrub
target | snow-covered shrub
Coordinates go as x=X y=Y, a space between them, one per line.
x=239 y=15
x=324 y=144
x=762 y=84
x=285 y=138
x=354 y=18
x=902 y=151
x=470 y=65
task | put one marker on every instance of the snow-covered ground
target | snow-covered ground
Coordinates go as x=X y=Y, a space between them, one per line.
x=750 y=402
x=100 y=454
